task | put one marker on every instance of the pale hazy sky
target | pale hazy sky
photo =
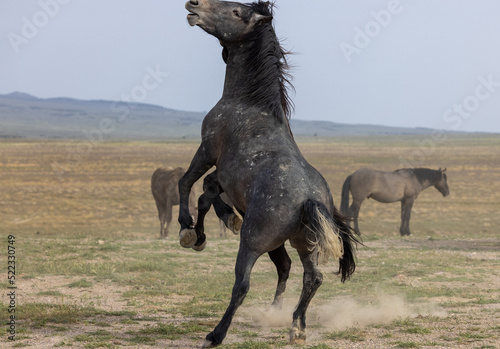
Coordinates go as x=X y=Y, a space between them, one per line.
x=416 y=63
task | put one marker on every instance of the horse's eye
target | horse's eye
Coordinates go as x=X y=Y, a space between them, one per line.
x=236 y=13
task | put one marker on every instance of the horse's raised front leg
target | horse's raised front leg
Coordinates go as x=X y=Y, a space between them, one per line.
x=244 y=264
x=283 y=263
x=311 y=281
x=199 y=166
x=406 y=206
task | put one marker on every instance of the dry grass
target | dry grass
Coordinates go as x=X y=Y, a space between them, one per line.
x=86 y=228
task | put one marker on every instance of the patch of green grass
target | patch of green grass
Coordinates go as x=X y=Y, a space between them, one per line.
x=101 y=324
x=58 y=328
x=146 y=340
x=40 y=314
x=168 y=331
x=96 y=339
x=472 y=337
x=83 y=283
x=129 y=322
x=320 y=346
x=416 y=330
x=202 y=307
x=249 y=334
x=120 y=313
x=50 y=293
x=252 y=345
x=352 y=334
x=401 y=344
x=484 y=300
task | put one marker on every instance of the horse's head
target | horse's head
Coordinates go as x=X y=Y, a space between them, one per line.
x=442 y=184
x=228 y=21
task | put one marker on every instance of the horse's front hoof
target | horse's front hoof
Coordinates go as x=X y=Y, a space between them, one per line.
x=201 y=247
x=234 y=223
x=187 y=238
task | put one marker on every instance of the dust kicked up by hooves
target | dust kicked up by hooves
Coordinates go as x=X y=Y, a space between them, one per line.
x=345 y=312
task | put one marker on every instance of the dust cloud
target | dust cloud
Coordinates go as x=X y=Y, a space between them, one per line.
x=345 y=312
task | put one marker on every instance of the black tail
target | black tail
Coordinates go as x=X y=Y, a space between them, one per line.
x=344 y=203
x=334 y=236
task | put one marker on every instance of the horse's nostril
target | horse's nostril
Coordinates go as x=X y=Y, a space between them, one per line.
x=193 y=2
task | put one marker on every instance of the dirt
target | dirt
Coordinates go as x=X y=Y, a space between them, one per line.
x=372 y=321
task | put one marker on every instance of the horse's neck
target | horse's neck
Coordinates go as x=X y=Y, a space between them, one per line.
x=241 y=83
x=235 y=77
x=426 y=183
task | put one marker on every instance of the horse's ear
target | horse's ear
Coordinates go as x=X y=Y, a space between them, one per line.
x=444 y=170
x=261 y=19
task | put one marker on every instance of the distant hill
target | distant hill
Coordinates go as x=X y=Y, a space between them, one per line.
x=26 y=116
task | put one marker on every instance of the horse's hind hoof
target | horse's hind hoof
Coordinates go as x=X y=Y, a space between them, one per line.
x=187 y=238
x=201 y=247
x=234 y=224
x=208 y=344
x=297 y=336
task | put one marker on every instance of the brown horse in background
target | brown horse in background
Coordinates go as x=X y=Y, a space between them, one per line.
x=165 y=190
x=401 y=185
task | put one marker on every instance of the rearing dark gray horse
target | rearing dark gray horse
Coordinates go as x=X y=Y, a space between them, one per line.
x=401 y=185
x=247 y=137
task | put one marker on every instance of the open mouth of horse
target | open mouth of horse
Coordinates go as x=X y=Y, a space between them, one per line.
x=193 y=18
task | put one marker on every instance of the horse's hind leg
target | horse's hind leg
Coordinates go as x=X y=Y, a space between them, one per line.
x=203 y=208
x=161 y=216
x=283 y=263
x=226 y=214
x=212 y=189
x=354 y=212
x=244 y=264
x=311 y=281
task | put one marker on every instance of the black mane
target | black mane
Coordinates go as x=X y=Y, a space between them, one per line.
x=267 y=64
x=424 y=174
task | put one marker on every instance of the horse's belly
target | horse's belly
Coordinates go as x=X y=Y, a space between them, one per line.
x=384 y=198
x=272 y=183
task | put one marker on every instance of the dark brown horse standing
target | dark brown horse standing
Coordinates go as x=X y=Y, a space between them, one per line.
x=401 y=185
x=247 y=137
x=165 y=190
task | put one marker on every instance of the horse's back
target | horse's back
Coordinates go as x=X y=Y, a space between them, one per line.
x=362 y=183
x=382 y=186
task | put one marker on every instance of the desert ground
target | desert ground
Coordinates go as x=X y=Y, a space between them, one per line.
x=90 y=271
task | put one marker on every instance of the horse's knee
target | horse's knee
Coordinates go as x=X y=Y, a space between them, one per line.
x=317 y=279
x=241 y=289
